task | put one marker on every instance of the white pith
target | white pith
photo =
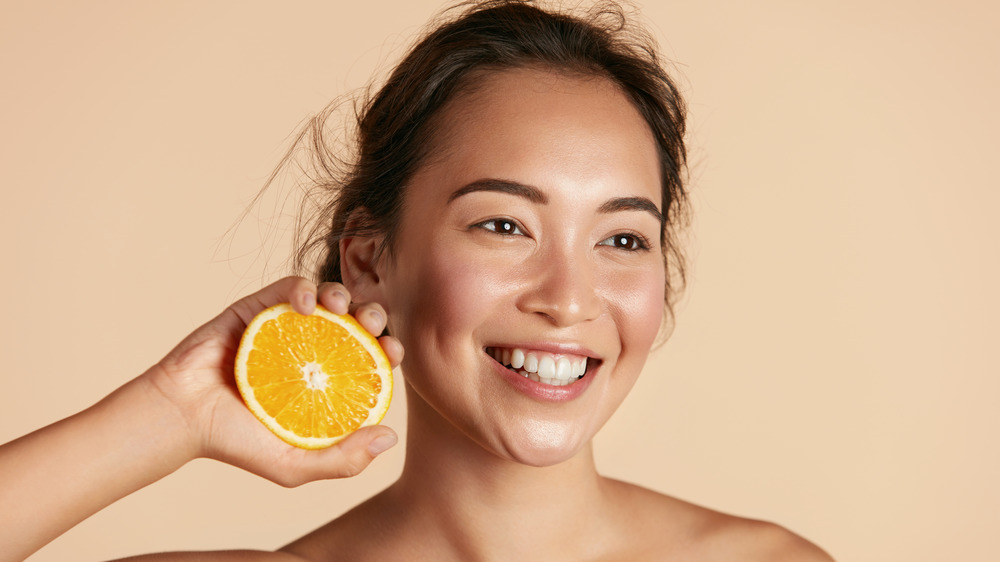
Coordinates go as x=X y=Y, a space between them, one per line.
x=313 y=375
x=540 y=366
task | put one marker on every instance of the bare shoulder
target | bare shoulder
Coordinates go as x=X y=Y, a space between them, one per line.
x=369 y=531
x=691 y=532
x=761 y=540
x=217 y=556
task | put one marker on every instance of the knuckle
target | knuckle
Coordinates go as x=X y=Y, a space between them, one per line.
x=332 y=287
x=354 y=465
x=291 y=478
x=301 y=283
x=289 y=482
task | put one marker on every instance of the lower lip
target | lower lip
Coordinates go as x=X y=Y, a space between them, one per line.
x=543 y=392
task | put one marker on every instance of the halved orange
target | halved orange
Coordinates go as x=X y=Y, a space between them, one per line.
x=312 y=379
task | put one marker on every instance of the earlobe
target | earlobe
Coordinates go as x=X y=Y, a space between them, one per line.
x=359 y=264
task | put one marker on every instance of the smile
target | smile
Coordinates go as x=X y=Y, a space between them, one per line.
x=542 y=367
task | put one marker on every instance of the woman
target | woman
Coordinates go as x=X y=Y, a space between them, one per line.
x=510 y=220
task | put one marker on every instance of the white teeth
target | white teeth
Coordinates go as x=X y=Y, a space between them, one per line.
x=516 y=359
x=546 y=368
x=544 y=380
x=563 y=369
x=531 y=363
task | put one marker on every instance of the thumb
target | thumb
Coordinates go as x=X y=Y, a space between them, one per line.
x=347 y=458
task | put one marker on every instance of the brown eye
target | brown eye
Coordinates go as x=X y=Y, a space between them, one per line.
x=501 y=226
x=626 y=241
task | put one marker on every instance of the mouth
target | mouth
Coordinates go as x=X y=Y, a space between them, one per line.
x=554 y=369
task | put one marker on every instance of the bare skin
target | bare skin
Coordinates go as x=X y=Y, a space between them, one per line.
x=533 y=227
x=479 y=482
x=442 y=511
x=184 y=407
x=669 y=529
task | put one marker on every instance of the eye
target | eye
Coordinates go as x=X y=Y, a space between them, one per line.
x=626 y=241
x=501 y=226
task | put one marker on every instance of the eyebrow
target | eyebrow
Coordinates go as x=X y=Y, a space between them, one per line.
x=528 y=192
x=631 y=204
x=535 y=195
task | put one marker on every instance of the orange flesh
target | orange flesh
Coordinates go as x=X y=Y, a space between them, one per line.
x=279 y=365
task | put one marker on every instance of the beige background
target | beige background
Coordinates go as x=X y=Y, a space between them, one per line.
x=834 y=368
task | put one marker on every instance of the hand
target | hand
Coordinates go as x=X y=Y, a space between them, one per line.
x=197 y=379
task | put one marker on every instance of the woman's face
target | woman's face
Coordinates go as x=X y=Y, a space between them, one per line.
x=529 y=253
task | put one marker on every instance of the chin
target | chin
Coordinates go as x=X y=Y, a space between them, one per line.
x=544 y=444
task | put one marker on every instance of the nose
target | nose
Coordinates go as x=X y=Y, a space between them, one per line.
x=562 y=289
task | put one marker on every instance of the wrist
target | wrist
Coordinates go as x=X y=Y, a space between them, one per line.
x=166 y=430
x=59 y=475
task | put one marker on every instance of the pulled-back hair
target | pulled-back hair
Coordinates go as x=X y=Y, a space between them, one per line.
x=396 y=126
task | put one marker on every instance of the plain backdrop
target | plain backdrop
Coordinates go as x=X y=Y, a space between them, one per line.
x=834 y=366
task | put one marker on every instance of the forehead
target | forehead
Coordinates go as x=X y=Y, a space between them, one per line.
x=547 y=129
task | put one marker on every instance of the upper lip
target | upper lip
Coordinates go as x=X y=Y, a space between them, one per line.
x=557 y=348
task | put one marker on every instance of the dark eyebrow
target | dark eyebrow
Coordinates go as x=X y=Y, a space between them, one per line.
x=631 y=204
x=535 y=195
x=530 y=193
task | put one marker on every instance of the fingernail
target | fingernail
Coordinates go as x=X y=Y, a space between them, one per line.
x=340 y=296
x=309 y=301
x=381 y=444
x=377 y=317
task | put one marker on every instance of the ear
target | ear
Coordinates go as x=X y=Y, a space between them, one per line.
x=360 y=261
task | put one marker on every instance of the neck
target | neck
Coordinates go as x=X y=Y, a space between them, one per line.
x=474 y=499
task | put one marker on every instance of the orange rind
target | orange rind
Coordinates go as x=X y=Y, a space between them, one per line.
x=314 y=379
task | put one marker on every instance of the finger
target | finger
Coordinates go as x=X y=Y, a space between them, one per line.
x=302 y=296
x=345 y=459
x=303 y=300
x=372 y=316
x=298 y=291
x=393 y=349
x=335 y=297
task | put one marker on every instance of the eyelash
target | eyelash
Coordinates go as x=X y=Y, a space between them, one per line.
x=633 y=242
x=492 y=225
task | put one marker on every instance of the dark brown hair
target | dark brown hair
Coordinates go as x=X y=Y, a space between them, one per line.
x=396 y=125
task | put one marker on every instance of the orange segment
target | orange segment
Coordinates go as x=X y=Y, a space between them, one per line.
x=312 y=379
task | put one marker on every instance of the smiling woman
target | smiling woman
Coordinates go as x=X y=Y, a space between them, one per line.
x=526 y=197
x=510 y=223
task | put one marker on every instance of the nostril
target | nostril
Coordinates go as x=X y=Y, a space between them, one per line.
x=563 y=303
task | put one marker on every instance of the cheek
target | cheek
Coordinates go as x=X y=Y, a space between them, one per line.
x=441 y=294
x=638 y=296
x=452 y=288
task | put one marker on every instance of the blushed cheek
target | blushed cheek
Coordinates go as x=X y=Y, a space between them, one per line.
x=454 y=290
x=640 y=298
x=444 y=298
